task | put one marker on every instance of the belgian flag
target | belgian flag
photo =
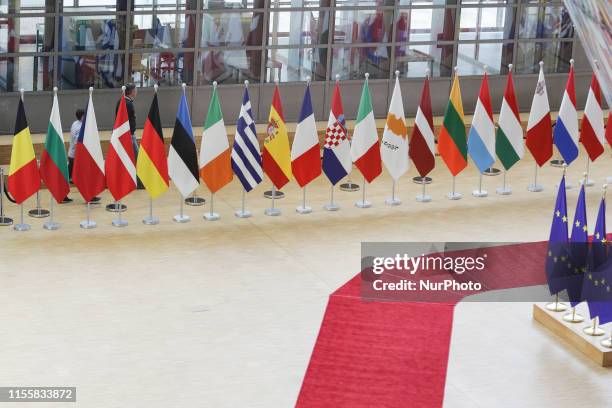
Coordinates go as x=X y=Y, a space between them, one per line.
x=23 y=177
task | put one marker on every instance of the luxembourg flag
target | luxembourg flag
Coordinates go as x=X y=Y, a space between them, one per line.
x=481 y=141
x=592 y=133
x=337 y=162
x=305 y=151
x=565 y=134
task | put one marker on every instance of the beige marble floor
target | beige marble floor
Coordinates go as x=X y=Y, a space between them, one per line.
x=225 y=314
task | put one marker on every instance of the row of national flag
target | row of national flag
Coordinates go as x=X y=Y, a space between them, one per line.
x=281 y=161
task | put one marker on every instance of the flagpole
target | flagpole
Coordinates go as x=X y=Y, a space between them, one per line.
x=423 y=197
x=150 y=219
x=303 y=209
x=181 y=217
x=608 y=342
x=588 y=182
x=4 y=220
x=272 y=211
x=38 y=212
x=393 y=200
x=480 y=192
x=242 y=213
x=594 y=330
x=535 y=187
x=573 y=317
x=331 y=206
x=119 y=221
x=454 y=195
x=363 y=203
x=556 y=306
x=504 y=190
x=88 y=224
x=211 y=215
x=51 y=225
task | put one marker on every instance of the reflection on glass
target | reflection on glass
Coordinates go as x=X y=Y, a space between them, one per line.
x=92 y=33
x=163 y=68
x=556 y=57
x=353 y=63
x=159 y=5
x=545 y=22
x=491 y=23
x=83 y=71
x=298 y=28
x=428 y=2
x=299 y=3
x=229 y=67
x=231 y=29
x=162 y=31
x=472 y=58
x=362 y=26
x=416 y=60
x=26 y=34
x=425 y=25
x=92 y=5
x=232 y=4
x=29 y=73
x=364 y=3
x=27 y=6
x=296 y=64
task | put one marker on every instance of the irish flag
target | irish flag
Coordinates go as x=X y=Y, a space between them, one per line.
x=365 y=150
x=452 y=142
x=23 y=176
x=53 y=163
x=509 y=137
x=215 y=153
x=276 y=155
x=539 y=139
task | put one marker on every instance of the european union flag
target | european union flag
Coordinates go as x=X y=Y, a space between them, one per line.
x=579 y=250
x=599 y=245
x=597 y=290
x=557 y=261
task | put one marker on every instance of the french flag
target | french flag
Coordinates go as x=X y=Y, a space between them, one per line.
x=566 y=133
x=88 y=170
x=592 y=132
x=305 y=151
x=337 y=162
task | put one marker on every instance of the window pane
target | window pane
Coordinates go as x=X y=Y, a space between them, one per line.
x=296 y=64
x=27 y=6
x=29 y=73
x=415 y=60
x=231 y=29
x=163 y=68
x=364 y=3
x=362 y=26
x=163 y=31
x=487 y=2
x=160 y=5
x=472 y=58
x=490 y=23
x=353 y=63
x=229 y=67
x=299 y=3
x=92 y=33
x=545 y=22
x=232 y=4
x=556 y=57
x=425 y=25
x=83 y=71
x=296 y=27
x=26 y=34
x=94 y=5
x=427 y=2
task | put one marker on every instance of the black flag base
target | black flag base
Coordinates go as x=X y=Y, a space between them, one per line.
x=491 y=171
x=116 y=207
x=195 y=201
x=557 y=162
x=38 y=213
x=274 y=193
x=422 y=180
x=349 y=186
x=5 y=221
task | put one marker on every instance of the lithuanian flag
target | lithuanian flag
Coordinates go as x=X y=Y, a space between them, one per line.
x=452 y=142
x=23 y=177
x=276 y=156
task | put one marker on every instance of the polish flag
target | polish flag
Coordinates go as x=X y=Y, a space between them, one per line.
x=120 y=166
x=592 y=133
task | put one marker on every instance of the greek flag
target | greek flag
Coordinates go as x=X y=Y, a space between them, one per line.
x=246 y=160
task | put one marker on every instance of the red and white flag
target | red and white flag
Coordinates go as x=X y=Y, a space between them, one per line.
x=120 y=163
x=539 y=127
x=609 y=129
x=592 y=133
x=423 y=143
x=305 y=151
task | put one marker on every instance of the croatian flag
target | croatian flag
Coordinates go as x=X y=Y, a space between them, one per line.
x=246 y=160
x=305 y=150
x=337 y=149
x=592 y=133
x=481 y=141
x=565 y=134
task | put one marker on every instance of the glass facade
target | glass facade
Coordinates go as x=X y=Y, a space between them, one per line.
x=74 y=44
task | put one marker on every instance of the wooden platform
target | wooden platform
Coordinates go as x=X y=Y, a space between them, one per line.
x=573 y=335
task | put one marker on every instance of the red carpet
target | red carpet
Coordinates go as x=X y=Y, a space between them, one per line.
x=394 y=354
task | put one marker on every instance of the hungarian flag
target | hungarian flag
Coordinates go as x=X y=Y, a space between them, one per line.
x=365 y=147
x=566 y=134
x=509 y=137
x=539 y=127
x=481 y=141
x=452 y=142
x=23 y=176
x=592 y=132
x=337 y=149
x=394 y=146
x=151 y=164
x=422 y=142
x=53 y=163
x=215 y=153
x=182 y=156
x=88 y=170
x=120 y=163
x=276 y=155
x=305 y=151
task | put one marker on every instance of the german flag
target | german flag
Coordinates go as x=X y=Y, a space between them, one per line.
x=23 y=177
x=452 y=142
x=276 y=155
x=151 y=164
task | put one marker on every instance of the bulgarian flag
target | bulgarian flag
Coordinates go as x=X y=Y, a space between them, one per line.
x=276 y=155
x=365 y=147
x=509 y=137
x=23 y=176
x=215 y=153
x=452 y=142
x=53 y=163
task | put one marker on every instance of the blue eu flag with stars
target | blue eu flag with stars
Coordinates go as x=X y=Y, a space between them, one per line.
x=579 y=250
x=557 y=261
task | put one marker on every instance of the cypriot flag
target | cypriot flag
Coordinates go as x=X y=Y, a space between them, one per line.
x=394 y=146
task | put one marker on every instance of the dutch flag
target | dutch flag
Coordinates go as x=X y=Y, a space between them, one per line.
x=565 y=134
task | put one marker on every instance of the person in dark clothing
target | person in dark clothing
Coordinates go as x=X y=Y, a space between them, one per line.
x=130 y=97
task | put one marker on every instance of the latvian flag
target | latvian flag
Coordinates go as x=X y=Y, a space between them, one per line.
x=566 y=129
x=305 y=150
x=337 y=149
x=481 y=141
x=120 y=161
x=23 y=177
x=592 y=133
x=539 y=126
x=422 y=149
x=246 y=159
x=53 y=163
x=88 y=170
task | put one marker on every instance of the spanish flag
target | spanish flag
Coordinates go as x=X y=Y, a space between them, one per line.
x=151 y=164
x=276 y=156
x=452 y=142
x=23 y=177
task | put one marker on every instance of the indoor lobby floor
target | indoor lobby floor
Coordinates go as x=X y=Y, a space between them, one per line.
x=225 y=314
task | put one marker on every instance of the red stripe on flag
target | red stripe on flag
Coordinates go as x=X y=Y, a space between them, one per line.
x=420 y=154
x=53 y=178
x=484 y=97
x=539 y=140
x=274 y=172
x=86 y=174
x=570 y=88
x=370 y=163
x=307 y=167
x=156 y=150
x=24 y=182
x=589 y=140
